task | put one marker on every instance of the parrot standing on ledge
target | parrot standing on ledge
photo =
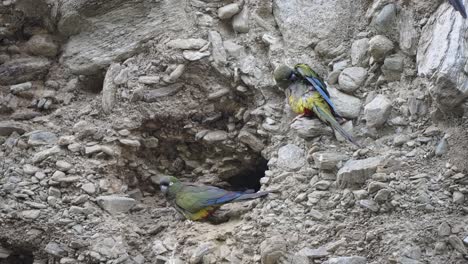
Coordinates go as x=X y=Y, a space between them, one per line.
x=307 y=95
x=458 y=5
x=197 y=202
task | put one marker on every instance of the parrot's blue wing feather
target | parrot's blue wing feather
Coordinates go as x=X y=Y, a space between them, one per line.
x=458 y=5
x=318 y=86
x=215 y=196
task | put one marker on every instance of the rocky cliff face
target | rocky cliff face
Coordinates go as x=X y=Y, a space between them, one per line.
x=98 y=99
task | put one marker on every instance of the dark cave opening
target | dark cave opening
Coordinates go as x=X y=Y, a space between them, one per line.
x=249 y=179
x=19 y=257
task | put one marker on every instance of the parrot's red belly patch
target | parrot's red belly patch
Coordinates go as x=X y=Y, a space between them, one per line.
x=308 y=112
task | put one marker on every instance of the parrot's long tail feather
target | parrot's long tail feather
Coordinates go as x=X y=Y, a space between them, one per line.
x=250 y=196
x=329 y=119
x=458 y=5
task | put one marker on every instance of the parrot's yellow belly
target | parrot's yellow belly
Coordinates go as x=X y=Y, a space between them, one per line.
x=203 y=213
x=300 y=105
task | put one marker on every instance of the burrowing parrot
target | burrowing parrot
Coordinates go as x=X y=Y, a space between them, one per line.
x=197 y=202
x=458 y=5
x=307 y=95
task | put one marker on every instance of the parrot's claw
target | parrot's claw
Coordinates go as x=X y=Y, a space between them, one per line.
x=296 y=118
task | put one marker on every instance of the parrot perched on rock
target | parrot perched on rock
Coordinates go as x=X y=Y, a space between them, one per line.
x=458 y=5
x=197 y=202
x=307 y=95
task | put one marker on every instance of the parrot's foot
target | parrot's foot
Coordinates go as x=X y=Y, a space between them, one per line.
x=296 y=118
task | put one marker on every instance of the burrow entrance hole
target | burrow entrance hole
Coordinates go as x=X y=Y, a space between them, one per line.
x=232 y=166
x=16 y=256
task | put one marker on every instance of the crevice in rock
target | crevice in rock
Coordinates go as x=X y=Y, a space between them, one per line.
x=249 y=179
x=18 y=256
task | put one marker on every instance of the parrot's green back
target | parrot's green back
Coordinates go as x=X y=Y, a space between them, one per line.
x=197 y=202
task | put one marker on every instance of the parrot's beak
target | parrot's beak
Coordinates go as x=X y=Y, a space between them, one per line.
x=163 y=189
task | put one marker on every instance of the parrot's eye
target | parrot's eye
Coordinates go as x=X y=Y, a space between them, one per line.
x=170 y=184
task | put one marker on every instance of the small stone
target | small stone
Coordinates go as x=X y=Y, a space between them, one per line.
x=393 y=67
x=21 y=87
x=158 y=247
x=149 y=79
x=346 y=105
x=382 y=196
x=351 y=79
x=442 y=147
x=291 y=157
x=218 y=94
x=322 y=185
x=377 y=111
x=109 y=88
x=40 y=175
x=136 y=194
x=55 y=249
x=444 y=230
x=328 y=160
x=356 y=172
x=8 y=127
x=385 y=20
x=228 y=11
x=316 y=214
x=89 y=188
x=457 y=244
x=187 y=44
x=150 y=142
x=115 y=204
x=440 y=247
x=458 y=198
x=250 y=140
x=42 y=138
x=30 y=169
x=360 y=52
x=175 y=74
x=130 y=142
x=55 y=192
x=42 y=155
x=63 y=165
x=316 y=253
x=57 y=175
x=375 y=186
x=272 y=249
x=93 y=149
x=23 y=69
x=240 y=22
x=347 y=260
x=233 y=49
x=195 y=55
x=379 y=47
x=65 y=140
x=400 y=139
x=370 y=205
x=75 y=147
x=31 y=214
x=35 y=205
x=201 y=251
x=122 y=76
x=310 y=128
x=215 y=136
x=218 y=52
x=465 y=241
x=42 y=45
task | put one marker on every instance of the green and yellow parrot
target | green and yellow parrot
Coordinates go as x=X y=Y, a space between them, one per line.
x=307 y=95
x=197 y=202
